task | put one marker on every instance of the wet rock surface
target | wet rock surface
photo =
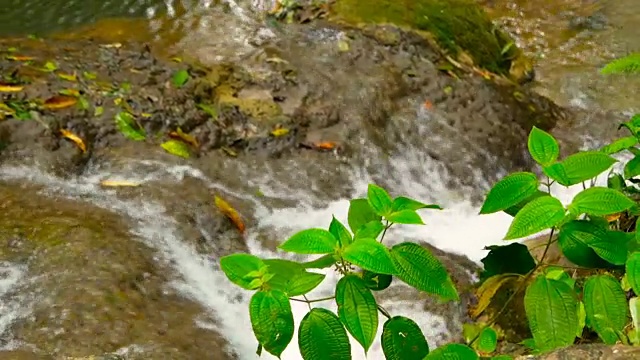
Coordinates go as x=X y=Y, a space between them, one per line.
x=94 y=288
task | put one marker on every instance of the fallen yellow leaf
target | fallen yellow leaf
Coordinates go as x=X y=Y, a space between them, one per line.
x=75 y=138
x=59 y=102
x=180 y=135
x=119 y=183
x=229 y=212
x=19 y=58
x=4 y=87
x=69 y=77
x=280 y=132
x=613 y=217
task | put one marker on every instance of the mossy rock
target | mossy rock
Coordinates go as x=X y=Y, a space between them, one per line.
x=459 y=26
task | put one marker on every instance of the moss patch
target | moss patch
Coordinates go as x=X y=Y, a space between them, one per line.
x=457 y=25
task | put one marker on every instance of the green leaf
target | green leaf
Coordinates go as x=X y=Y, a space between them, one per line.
x=177 y=148
x=516 y=208
x=370 y=255
x=402 y=339
x=510 y=191
x=514 y=258
x=633 y=125
x=575 y=238
x=540 y=214
x=361 y=213
x=126 y=124
x=212 y=111
x=620 y=145
x=283 y=272
x=311 y=241
x=321 y=336
x=405 y=217
x=237 y=268
x=452 y=352
x=370 y=230
x=180 y=78
x=616 y=182
x=558 y=273
x=321 y=262
x=600 y=201
x=304 y=282
x=375 y=281
x=634 y=308
x=421 y=269
x=552 y=310
x=357 y=309
x=340 y=232
x=579 y=167
x=543 y=147
x=405 y=203
x=272 y=320
x=582 y=319
x=632 y=168
x=633 y=271
x=606 y=306
x=379 y=200
x=487 y=341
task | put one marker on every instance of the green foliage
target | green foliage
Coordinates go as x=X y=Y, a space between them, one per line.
x=597 y=230
x=606 y=307
x=629 y=64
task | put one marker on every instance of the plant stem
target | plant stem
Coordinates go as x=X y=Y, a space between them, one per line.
x=312 y=301
x=518 y=289
x=386 y=227
x=384 y=312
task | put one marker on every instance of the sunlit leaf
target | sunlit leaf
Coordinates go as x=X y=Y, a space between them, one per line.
x=280 y=132
x=230 y=213
x=177 y=148
x=59 y=102
x=180 y=135
x=180 y=78
x=119 y=183
x=127 y=125
x=75 y=138
x=4 y=87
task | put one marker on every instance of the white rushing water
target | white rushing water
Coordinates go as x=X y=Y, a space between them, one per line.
x=458 y=228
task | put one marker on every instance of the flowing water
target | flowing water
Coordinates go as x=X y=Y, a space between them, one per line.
x=458 y=228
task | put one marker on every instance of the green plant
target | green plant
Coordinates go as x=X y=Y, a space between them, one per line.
x=629 y=64
x=365 y=265
x=596 y=231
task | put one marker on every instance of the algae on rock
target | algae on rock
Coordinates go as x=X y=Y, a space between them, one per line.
x=459 y=26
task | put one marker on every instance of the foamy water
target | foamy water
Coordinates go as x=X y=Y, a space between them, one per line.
x=458 y=228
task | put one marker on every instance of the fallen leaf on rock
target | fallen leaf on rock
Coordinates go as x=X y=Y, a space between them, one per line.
x=57 y=102
x=112 y=46
x=75 y=138
x=280 y=132
x=89 y=75
x=98 y=111
x=119 y=183
x=488 y=289
x=127 y=125
x=69 y=92
x=69 y=77
x=325 y=145
x=177 y=148
x=180 y=135
x=428 y=105
x=343 y=45
x=19 y=58
x=209 y=110
x=50 y=66
x=229 y=151
x=180 y=78
x=4 y=87
x=5 y=111
x=229 y=212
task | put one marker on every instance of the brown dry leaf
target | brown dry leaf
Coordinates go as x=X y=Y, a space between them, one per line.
x=229 y=212
x=428 y=105
x=325 y=145
x=69 y=77
x=488 y=289
x=75 y=138
x=59 y=102
x=4 y=87
x=19 y=58
x=118 y=183
x=613 y=217
x=180 y=135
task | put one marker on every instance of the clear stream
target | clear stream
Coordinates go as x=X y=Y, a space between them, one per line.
x=568 y=72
